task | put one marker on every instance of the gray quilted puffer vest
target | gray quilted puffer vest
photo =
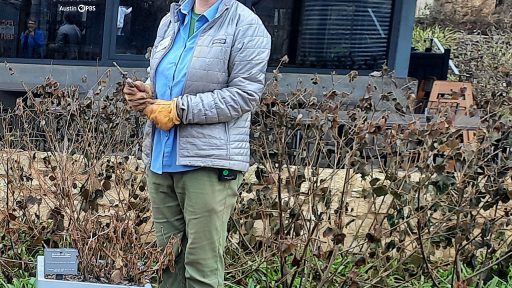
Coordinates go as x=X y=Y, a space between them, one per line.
x=225 y=81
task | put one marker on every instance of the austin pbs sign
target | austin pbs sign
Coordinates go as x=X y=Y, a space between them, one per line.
x=78 y=8
x=81 y=6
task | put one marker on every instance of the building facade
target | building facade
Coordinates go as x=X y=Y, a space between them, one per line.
x=73 y=40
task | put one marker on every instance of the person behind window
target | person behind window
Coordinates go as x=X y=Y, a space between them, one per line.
x=68 y=39
x=123 y=11
x=32 y=40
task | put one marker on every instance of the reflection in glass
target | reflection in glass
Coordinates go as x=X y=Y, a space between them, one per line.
x=10 y=20
x=32 y=40
x=344 y=34
x=67 y=43
x=51 y=29
x=137 y=24
x=333 y=34
x=277 y=18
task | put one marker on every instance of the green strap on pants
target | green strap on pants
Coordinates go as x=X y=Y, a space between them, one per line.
x=194 y=206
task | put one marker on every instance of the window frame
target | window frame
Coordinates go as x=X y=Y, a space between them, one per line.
x=108 y=54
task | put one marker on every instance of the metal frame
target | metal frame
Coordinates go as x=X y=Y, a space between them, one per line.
x=108 y=29
x=404 y=13
x=439 y=46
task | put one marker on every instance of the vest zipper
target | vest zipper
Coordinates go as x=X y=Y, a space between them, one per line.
x=204 y=30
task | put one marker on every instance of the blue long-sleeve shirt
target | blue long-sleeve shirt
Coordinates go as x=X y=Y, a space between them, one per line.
x=32 y=45
x=170 y=78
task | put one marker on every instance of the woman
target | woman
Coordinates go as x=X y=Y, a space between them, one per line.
x=207 y=72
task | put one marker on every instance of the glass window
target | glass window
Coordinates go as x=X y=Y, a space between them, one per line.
x=137 y=24
x=277 y=17
x=52 y=29
x=334 y=34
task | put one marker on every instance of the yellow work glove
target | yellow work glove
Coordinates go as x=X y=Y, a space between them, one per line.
x=163 y=113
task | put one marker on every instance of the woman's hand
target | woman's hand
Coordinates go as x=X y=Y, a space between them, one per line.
x=164 y=114
x=139 y=96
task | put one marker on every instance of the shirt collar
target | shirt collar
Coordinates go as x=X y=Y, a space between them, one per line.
x=187 y=6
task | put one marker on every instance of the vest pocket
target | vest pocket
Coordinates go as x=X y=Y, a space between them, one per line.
x=206 y=141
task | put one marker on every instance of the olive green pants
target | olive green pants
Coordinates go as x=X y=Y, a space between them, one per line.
x=193 y=206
